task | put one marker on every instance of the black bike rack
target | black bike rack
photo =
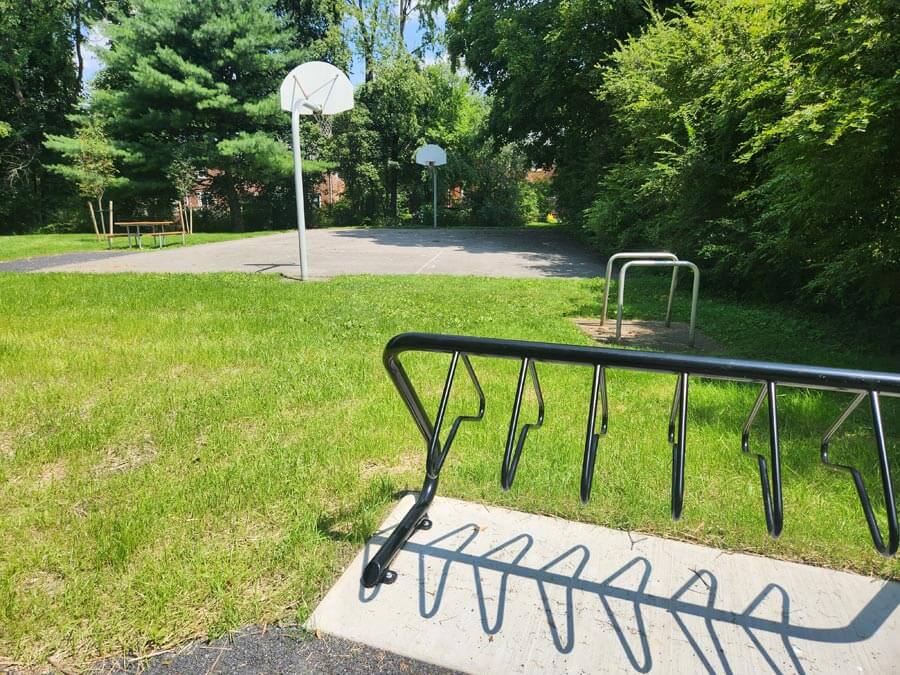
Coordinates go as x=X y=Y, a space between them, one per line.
x=865 y=384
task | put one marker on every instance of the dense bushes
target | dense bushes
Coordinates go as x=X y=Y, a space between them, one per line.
x=763 y=138
x=403 y=107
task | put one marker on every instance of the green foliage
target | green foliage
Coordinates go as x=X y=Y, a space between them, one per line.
x=182 y=174
x=38 y=89
x=493 y=194
x=536 y=60
x=403 y=107
x=196 y=82
x=761 y=137
x=92 y=159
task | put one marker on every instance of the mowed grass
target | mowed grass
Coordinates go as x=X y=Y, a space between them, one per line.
x=17 y=246
x=182 y=455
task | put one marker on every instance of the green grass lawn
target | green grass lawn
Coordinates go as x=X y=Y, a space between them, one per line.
x=14 y=247
x=182 y=455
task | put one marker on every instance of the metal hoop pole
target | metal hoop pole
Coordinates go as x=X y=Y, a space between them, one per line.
x=434 y=194
x=298 y=189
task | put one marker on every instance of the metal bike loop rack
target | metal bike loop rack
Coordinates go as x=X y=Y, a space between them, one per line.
x=865 y=384
x=674 y=264
x=638 y=255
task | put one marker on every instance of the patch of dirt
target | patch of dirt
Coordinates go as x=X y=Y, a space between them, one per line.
x=407 y=463
x=127 y=457
x=6 y=444
x=48 y=583
x=649 y=335
x=52 y=473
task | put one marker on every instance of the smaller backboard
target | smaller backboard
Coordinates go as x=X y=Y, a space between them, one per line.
x=431 y=155
x=318 y=87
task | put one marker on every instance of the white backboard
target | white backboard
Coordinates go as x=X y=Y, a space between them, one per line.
x=431 y=155
x=319 y=87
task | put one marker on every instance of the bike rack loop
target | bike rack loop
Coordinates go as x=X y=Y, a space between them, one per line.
x=865 y=384
x=675 y=264
x=638 y=255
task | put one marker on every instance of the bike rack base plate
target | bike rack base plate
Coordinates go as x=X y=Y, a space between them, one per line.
x=487 y=589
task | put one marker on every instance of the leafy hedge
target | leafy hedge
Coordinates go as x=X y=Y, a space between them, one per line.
x=763 y=139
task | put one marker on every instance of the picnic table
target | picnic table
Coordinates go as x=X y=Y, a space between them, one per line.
x=157 y=229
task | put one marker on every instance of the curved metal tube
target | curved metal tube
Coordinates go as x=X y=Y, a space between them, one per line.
x=510 y=458
x=890 y=548
x=638 y=255
x=860 y=382
x=678 y=444
x=437 y=455
x=773 y=503
x=660 y=263
x=598 y=389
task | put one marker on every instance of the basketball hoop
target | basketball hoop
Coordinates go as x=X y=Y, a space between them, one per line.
x=432 y=156
x=325 y=124
x=318 y=89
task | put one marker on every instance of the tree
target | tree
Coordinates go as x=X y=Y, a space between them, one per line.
x=317 y=28
x=38 y=89
x=199 y=78
x=761 y=138
x=394 y=100
x=404 y=107
x=83 y=15
x=91 y=162
x=538 y=62
x=372 y=26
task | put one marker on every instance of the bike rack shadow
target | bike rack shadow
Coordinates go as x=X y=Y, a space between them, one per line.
x=451 y=549
x=864 y=384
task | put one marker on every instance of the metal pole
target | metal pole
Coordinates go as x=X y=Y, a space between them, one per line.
x=694 y=293
x=298 y=189
x=671 y=296
x=636 y=255
x=434 y=191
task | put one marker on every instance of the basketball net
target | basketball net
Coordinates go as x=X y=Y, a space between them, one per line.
x=324 y=122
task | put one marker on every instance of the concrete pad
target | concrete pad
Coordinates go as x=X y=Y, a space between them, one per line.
x=488 y=590
x=493 y=252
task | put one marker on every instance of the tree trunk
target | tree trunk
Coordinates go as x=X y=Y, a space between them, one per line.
x=234 y=206
x=79 y=38
x=17 y=90
x=102 y=220
x=392 y=191
x=404 y=9
x=370 y=64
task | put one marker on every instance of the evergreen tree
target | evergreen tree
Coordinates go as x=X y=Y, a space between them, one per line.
x=200 y=79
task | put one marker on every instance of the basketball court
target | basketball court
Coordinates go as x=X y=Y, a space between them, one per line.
x=490 y=252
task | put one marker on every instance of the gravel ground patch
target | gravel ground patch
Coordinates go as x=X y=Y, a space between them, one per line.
x=286 y=650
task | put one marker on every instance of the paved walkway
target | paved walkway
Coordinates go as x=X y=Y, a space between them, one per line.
x=43 y=262
x=488 y=590
x=501 y=252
